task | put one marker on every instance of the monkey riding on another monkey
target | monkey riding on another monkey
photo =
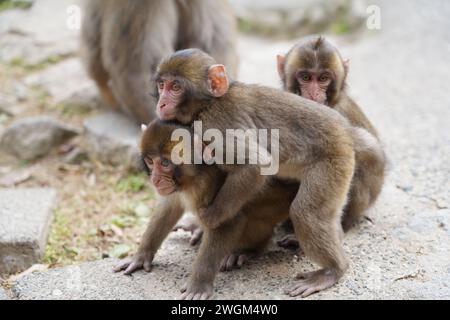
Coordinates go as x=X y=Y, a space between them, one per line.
x=315 y=70
x=193 y=187
x=316 y=147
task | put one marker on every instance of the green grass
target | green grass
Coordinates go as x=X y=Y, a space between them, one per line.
x=54 y=251
x=11 y=4
x=23 y=65
x=68 y=110
x=132 y=183
x=3 y=118
x=340 y=28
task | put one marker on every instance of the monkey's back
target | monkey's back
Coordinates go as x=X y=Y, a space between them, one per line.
x=303 y=125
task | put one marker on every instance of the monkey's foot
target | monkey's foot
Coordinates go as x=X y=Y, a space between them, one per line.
x=235 y=260
x=131 y=265
x=312 y=282
x=190 y=224
x=196 y=292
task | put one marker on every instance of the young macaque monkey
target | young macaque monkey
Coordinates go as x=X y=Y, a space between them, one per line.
x=316 y=146
x=193 y=187
x=315 y=70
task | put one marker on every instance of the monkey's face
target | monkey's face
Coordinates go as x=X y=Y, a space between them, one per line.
x=314 y=84
x=187 y=80
x=156 y=152
x=313 y=69
x=171 y=94
x=162 y=174
x=311 y=78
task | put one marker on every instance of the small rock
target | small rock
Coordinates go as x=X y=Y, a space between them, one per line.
x=82 y=98
x=405 y=188
x=113 y=138
x=31 y=138
x=25 y=216
x=79 y=92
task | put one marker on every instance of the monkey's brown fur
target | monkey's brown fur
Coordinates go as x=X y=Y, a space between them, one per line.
x=316 y=53
x=197 y=185
x=123 y=42
x=316 y=147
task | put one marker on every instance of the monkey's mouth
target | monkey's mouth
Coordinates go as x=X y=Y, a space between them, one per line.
x=165 y=114
x=166 y=190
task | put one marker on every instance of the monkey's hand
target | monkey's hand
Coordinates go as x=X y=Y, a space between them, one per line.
x=238 y=189
x=139 y=261
x=190 y=224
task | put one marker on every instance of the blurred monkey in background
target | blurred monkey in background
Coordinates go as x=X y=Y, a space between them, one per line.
x=122 y=43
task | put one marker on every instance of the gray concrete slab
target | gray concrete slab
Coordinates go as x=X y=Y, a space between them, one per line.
x=25 y=216
x=3 y=294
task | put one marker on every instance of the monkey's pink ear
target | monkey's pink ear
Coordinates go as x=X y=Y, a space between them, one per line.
x=346 y=63
x=280 y=65
x=143 y=127
x=217 y=80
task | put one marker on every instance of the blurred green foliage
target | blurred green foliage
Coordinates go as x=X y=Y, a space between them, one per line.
x=132 y=183
x=10 y=4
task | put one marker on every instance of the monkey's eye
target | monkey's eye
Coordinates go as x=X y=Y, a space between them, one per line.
x=324 y=77
x=161 y=85
x=176 y=86
x=165 y=162
x=305 y=76
x=148 y=161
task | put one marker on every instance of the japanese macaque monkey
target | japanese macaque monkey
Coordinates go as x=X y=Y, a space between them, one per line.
x=315 y=70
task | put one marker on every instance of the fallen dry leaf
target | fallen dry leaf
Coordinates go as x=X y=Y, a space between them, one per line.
x=33 y=268
x=15 y=177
